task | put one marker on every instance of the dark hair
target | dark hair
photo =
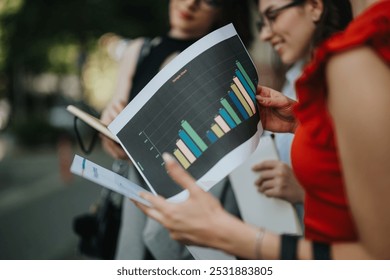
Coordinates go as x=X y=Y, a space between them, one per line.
x=239 y=13
x=336 y=16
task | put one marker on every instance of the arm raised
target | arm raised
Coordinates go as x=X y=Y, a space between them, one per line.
x=120 y=98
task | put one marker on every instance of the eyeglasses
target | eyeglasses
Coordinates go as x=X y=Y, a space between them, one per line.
x=270 y=16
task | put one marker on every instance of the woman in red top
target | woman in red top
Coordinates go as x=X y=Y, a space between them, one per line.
x=341 y=155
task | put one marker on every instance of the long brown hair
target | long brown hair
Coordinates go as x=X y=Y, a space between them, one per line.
x=336 y=16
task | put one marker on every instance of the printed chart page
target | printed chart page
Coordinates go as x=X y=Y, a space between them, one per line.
x=201 y=108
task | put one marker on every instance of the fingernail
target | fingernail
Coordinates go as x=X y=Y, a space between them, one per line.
x=167 y=158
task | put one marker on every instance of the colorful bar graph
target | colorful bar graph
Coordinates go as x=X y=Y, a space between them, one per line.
x=246 y=76
x=230 y=110
x=180 y=157
x=245 y=84
x=244 y=93
x=191 y=132
x=185 y=151
x=222 y=124
x=217 y=130
x=242 y=99
x=211 y=136
x=238 y=104
x=189 y=143
x=228 y=119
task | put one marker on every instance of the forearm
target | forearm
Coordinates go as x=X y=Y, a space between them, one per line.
x=236 y=238
x=240 y=239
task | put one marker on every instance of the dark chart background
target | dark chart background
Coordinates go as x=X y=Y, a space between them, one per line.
x=192 y=94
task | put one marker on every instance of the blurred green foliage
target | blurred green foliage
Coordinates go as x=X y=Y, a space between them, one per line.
x=42 y=35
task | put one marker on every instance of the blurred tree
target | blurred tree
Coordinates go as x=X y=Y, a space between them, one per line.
x=39 y=24
x=54 y=38
x=55 y=35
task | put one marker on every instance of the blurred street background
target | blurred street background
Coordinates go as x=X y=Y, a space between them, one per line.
x=54 y=53
x=37 y=206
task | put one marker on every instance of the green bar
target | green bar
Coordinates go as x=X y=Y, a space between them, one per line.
x=246 y=76
x=230 y=110
x=191 y=132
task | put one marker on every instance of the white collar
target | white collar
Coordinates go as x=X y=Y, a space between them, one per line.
x=295 y=71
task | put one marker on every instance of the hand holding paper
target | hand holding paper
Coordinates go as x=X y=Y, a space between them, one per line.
x=91 y=121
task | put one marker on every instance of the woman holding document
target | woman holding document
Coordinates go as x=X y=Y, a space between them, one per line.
x=343 y=95
x=142 y=238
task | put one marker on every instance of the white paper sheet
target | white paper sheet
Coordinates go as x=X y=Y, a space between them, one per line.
x=273 y=214
x=106 y=178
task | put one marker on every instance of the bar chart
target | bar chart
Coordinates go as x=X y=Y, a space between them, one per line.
x=190 y=146
x=203 y=112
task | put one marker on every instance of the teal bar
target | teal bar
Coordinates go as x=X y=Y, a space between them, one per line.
x=246 y=76
x=230 y=110
x=191 y=132
x=228 y=119
x=212 y=137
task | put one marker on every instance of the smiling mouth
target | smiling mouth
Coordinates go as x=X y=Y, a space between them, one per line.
x=185 y=15
x=278 y=46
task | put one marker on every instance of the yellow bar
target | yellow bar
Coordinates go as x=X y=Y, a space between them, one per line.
x=245 y=94
x=217 y=130
x=181 y=158
x=242 y=100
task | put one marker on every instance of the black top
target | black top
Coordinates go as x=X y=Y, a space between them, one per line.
x=153 y=53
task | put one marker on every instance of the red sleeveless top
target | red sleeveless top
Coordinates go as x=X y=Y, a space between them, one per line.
x=314 y=151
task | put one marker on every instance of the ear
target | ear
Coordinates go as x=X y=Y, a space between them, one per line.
x=316 y=8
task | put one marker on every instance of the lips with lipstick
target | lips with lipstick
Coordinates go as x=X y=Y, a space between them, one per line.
x=185 y=15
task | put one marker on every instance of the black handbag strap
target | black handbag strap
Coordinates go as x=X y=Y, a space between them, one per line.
x=87 y=149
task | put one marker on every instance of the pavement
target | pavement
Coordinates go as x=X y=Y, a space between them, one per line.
x=39 y=199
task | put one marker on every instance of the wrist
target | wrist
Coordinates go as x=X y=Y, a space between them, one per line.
x=298 y=196
x=235 y=237
x=259 y=244
x=294 y=126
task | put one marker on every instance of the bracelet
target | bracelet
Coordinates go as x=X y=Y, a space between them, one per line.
x=258 y=243
x=321 y=251
x=288 y=248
